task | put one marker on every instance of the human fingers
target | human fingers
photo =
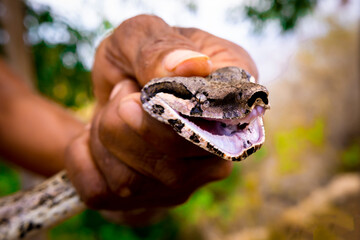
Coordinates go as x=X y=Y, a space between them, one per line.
x=151 y=148
x=96 y=193
x=142 y=48
x=119 y=189
x=84 y=173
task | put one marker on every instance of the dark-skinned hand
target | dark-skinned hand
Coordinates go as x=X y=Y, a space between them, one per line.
x=127 y=160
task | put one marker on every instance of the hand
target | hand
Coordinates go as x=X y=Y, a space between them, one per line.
x=129 y=160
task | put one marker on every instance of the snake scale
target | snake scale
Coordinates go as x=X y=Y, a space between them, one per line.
x=221 y=113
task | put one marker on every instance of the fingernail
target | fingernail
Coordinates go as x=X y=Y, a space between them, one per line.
x=185 y=62
x=131 y=113
x=115 y=90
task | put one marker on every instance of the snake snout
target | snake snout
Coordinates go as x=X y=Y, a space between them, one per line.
x=259 y=98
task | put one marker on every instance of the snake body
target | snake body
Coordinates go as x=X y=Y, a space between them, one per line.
x=221 y=113
x=24 y=213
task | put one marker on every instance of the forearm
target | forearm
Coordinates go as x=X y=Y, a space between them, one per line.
x=34 y=132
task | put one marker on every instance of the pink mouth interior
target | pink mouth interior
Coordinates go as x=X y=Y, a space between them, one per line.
x=227 y=127
x=231 y=136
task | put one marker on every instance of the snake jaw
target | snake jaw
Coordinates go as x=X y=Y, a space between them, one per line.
x=233 y=139
x=215 y=135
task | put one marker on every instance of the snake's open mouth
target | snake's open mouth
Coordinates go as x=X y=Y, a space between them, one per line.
x=221 y=113
x=231 y=136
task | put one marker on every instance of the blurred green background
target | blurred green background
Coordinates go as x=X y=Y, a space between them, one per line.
x=312 y=147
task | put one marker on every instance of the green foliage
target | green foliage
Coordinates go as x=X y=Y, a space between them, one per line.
x=61 y=75
x=287 y=13
x=212 y=201
x=9 y=180
x=350 y=157
x=89 y=225
x=260 y=154
x=69 y=86
x=290 y=145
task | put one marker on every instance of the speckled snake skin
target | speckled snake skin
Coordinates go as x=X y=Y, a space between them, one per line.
x=46 y=205
x=221 y=113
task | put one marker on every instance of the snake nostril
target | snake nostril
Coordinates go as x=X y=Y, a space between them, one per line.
x=260 y=94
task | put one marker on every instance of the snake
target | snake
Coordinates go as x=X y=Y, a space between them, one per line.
x=221 y=113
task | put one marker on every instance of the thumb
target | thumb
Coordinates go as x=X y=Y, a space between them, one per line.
x=183 y=62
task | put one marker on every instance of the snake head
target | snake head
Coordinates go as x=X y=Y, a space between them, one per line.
x=221 y=113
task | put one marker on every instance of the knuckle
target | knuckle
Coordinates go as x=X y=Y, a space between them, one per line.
x=139 y=21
